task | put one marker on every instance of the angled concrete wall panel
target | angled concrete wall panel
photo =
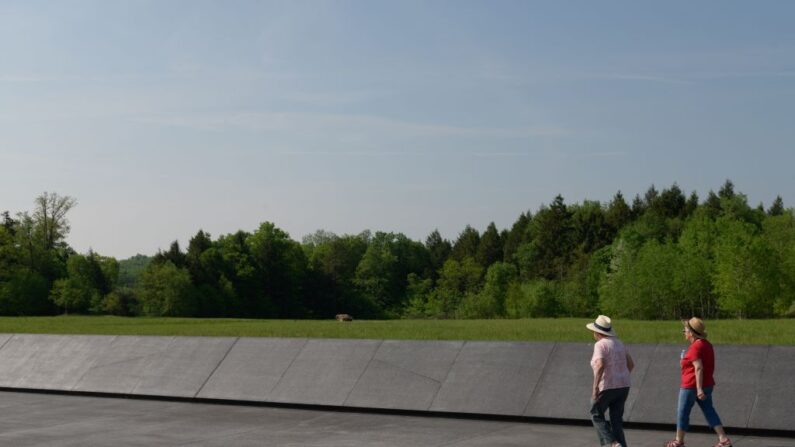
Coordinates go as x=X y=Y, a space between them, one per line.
x=659 y=391
x=252 y=368
x=324 y=372
x=405 y=374
x=492 y=378
x=642 y=355
x=736 y=388
x=183 y=367
x=48 y=362
x=774 y=407
x=568 y=373
x=123 y=364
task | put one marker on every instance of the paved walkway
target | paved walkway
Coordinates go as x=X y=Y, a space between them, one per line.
x=57 y=420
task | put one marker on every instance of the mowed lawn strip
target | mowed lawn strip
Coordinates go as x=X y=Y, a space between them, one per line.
x=738 y=332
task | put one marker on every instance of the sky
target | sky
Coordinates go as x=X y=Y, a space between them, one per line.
x=165 y=117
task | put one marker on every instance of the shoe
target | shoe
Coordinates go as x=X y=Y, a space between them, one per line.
x=726 y=443
x=674 y=443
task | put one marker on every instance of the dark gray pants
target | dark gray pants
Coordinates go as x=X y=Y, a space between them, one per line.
x=613 y=400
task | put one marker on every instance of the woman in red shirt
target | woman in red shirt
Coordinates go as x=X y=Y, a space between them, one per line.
x=698 y=365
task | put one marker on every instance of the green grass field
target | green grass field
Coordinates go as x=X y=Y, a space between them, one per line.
x=744 y=332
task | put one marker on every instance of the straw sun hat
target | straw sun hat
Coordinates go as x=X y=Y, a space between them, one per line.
x=603 y=325
x=696 y=326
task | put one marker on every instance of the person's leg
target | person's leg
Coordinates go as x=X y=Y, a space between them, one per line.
x=617 y=415
x=687 y=398
x=711 y=415
x=603 y=429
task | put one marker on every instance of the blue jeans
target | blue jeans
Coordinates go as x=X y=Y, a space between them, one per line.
x=613 y=431
x=688 y=397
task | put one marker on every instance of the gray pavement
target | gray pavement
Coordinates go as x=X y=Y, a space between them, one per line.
x=60 y=420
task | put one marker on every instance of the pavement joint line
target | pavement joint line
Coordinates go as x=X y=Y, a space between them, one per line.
x=540 y=376
x=210 y=376
x=756 y=396
x=364 y=370
x=402 y=368
x=7 y=340
x=446 y=376
x=628 y=412
x=297 y=354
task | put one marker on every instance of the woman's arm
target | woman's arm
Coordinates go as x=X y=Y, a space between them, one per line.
x=699 y=367
x=630 y=363
x=598 y=372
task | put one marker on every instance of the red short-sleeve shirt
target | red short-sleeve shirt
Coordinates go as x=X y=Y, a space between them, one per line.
x=699 y=349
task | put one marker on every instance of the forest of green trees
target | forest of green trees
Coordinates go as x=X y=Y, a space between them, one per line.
x=665 y=255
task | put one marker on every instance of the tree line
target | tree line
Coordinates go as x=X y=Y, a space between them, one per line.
x=664 y=255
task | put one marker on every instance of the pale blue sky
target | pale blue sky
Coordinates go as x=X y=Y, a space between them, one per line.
x=164 y=117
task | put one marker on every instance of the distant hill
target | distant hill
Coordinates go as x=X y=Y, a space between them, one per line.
x=130 y=269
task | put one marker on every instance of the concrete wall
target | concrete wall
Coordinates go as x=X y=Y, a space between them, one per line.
x=755 y=384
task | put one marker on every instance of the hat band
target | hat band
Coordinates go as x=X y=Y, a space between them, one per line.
x=693 y=330
x=601 y=328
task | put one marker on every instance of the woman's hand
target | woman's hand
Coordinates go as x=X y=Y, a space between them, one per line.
x=700 y=394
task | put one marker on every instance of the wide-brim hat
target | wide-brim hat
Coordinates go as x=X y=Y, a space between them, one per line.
x=696 y=326
x=602 y=325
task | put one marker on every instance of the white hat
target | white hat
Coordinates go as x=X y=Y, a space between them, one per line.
x=602 y=325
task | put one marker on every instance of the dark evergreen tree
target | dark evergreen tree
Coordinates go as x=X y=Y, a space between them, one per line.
x=466 y=245
x=590 y=230
x=516 y=237
x=777 y=208
x=727 y=190
x=490 y=249
x=638 y=207
x=650 y=198
x=439 y=250
x=200 y=272
x=9 y=223
x=671 y=202
x=712 y=205
x=174 y=255
x=691 y=204
x=618 y=213
x=548 y=254
x=281 y=268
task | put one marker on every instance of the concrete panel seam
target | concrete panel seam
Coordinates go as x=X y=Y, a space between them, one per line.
x=758 y=385
x=297 y=354
x=231 y=346
x=130 y=359
x=7 y=340
x=628 y=412
x=446 y=376
x=94 y=365
x=375 y=351
x=407 y=370
x=540 y=377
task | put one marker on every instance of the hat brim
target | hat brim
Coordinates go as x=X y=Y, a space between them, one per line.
x=687 y=325
x=593 y=328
